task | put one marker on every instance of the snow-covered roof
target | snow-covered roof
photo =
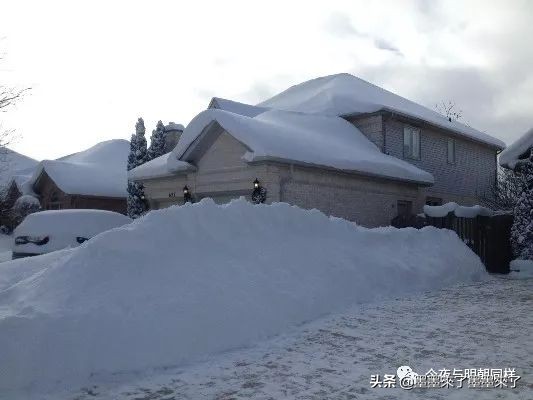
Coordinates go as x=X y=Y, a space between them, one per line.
x=23 y=184
x=97 y=171
x=13 y=164
x=345 y=94
x=236 y=107
x=510 y=156
x=159 y=167
x=306 y=139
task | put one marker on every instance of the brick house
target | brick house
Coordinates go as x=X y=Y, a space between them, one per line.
x=337 y=143
x=94 y=179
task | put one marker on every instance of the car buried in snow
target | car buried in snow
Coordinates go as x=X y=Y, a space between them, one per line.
x=46 y=231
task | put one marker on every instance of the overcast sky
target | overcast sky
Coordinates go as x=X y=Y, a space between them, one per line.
x=95 y=66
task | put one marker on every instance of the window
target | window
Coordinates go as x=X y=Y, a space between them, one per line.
x=451 y=151
x=405 y=208
x=433 y=201
x=55 y=203
x=411 y=142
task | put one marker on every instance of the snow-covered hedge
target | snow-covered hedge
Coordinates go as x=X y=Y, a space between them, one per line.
x=182 y=283
x=459 y=211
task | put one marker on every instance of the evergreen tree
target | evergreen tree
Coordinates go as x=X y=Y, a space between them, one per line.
x=522 y=230
x=136 y=202
x=157 y=142
x=138 y=155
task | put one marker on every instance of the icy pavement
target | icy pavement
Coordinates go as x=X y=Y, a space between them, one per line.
x=483 y=325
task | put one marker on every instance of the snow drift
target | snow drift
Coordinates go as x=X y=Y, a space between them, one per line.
x=185 y=282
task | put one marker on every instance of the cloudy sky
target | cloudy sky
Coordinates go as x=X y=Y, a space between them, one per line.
x=95 y=66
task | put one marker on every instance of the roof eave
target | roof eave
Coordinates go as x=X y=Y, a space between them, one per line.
x=393 y=112
x=262 y=159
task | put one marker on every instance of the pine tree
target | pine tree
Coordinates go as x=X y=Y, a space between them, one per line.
x=138 y=155
x=522 y=229
x=157 y=142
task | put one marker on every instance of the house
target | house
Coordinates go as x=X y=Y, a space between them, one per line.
x=93 y=178
x=336 y=143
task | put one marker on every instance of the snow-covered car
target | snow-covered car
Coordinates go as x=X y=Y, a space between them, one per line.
x=46 y=231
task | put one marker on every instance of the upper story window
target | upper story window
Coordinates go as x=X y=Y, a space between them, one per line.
x=411 y=142
x=451 y=151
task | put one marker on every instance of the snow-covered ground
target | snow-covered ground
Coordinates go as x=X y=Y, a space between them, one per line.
x=6 y=243
x=185 y=283
x=479 y=325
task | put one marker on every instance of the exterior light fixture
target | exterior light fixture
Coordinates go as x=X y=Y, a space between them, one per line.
x=187 y=198
x=259 y=193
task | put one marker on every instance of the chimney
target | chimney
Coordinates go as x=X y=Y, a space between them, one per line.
x=173 y=133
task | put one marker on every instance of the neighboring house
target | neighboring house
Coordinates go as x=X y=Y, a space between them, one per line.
x=337 y=143
x=15 y=170
x=95 y=178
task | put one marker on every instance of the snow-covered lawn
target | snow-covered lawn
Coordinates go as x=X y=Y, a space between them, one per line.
x=480 y=325
x=5 y=247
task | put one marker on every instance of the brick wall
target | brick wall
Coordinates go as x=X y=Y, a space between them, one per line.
x=468 y=180
x=372 y=127
x=368 y=201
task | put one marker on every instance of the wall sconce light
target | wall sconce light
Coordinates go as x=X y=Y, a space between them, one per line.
x=187 y=198
x=259 y=193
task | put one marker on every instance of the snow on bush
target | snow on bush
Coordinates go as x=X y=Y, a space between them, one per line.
x=182 y=283
x=459 y=211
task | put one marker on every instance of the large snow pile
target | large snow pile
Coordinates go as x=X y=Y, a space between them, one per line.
x=510 y=156
x=345 y=94
x=97 y=171
x=185 y=282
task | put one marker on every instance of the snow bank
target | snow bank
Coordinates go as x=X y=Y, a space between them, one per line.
x=521 y=269
x=510 y=156
x=185 y=282
x=345 y=94
x=459 y=211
